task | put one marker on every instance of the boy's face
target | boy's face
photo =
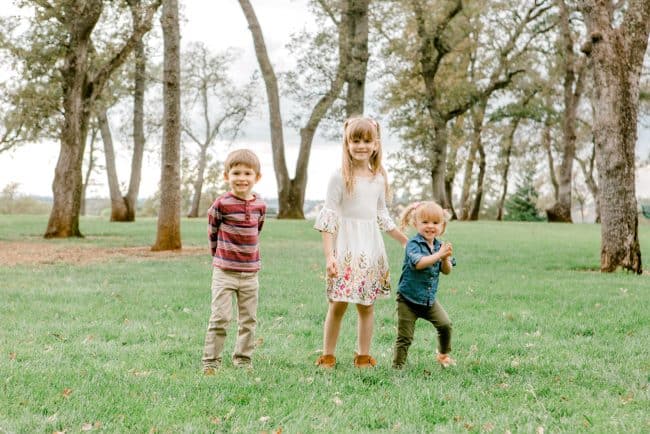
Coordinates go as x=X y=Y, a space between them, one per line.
x=242 y=178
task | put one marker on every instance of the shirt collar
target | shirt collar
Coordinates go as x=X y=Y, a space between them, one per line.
x=421 y=240
x=230 y=194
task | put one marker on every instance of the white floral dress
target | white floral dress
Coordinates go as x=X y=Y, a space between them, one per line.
x=356 y=220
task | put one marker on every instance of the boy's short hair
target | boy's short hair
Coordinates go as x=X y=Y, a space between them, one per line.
x=242 y=156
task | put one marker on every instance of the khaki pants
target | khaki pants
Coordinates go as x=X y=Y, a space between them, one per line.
x=407 y=314
x=245 y=287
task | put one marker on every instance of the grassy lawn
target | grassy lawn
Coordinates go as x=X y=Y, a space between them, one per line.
x=542 y=340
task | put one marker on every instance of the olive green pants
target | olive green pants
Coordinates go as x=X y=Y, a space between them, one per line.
x=244 y=287
x=407 y=314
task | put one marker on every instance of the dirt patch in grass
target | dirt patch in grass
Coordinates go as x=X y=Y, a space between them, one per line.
x=38 y=253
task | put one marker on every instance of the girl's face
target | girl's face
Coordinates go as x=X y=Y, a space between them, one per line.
x=361 y=149
x=429 y=227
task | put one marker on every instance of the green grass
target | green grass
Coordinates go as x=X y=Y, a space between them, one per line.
x=540 y=337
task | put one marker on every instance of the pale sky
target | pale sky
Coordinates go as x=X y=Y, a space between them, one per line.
x=221 y=25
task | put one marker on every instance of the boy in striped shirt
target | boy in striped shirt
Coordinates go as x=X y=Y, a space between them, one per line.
x=235 y=220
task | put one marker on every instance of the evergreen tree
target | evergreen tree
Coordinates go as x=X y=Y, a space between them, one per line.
x=521 y=205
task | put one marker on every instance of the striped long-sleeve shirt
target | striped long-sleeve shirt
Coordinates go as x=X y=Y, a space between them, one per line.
x=234 y=225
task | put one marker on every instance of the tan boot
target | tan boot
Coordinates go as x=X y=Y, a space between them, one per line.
x=364 y=361
x=327 y=361
x=445 y=361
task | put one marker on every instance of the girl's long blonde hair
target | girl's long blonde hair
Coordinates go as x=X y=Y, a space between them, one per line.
x=363 y=128
x=421 y=210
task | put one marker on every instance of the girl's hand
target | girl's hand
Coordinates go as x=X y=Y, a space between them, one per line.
x=332 y=269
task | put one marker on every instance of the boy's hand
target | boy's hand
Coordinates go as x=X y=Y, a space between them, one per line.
x=332 y=269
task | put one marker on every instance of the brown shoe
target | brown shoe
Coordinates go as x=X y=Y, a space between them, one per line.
x=326 y=361
x=364 y=361
x=445 y=361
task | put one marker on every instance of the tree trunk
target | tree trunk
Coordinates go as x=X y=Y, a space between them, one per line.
x=467 y=179
x=139 y=141
x=547 y=144
x=617 y=55
x=478 y=115
x=89 y=171
x=66 y=188
x=81 y=85
x=198 y=182
x=478 y=199
x=169 y=217
x=450 y=175
x=588 y=173
x=561 y=209
x=291 y=192
x=507 y=153
x=291 y=201
x=357 y=65
x=438 y=163
x=118 y=207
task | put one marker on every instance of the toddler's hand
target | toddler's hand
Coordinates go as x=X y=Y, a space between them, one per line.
x=332 y=270
x=446 y=250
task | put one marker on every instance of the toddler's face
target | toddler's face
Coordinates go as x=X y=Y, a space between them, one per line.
x=429 y=227
x=242 y=178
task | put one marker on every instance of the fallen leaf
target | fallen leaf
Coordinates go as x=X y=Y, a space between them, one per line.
x=89 y=339
x=215 y=420
x=66 y=392
x=337 y=400
x=468 y=426
x=278 y=431
x=12 y=356
x=627 y=398
x=52 y=418
x=265 y=419
x=488 y=427
x=87 y=427
x=539 y=430
x=259 y=342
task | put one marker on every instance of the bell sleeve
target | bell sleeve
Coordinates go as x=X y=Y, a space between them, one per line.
x=384 y=220
x=329 y=217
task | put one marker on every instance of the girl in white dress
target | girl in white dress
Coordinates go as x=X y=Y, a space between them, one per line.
x=350 y=223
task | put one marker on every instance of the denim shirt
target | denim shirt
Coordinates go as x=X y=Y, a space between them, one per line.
x=420 y=286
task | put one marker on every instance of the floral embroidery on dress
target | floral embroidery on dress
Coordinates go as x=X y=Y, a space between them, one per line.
x=328 y=220
x=360 y=281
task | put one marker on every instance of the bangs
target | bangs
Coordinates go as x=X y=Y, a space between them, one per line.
x=362 y=130
x=430 y=211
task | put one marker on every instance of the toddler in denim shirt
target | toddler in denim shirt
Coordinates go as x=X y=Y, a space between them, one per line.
x=425 y=258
